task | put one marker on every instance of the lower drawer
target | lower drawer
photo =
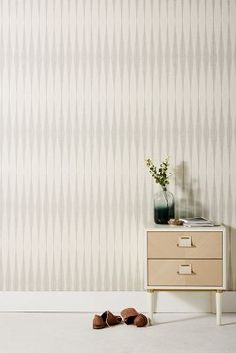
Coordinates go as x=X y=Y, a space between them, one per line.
x=171 y=273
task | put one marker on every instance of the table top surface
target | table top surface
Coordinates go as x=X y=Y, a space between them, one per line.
x=170 y=228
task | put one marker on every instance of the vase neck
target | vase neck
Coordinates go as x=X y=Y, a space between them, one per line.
x=161 y=189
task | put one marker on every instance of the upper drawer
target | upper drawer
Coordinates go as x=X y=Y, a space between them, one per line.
x=169 y=245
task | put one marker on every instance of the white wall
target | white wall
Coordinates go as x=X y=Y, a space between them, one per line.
x=88 y=90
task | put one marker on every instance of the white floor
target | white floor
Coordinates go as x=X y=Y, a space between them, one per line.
x=72 y=332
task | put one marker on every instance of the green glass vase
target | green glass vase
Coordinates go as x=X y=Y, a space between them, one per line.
x=164 y=206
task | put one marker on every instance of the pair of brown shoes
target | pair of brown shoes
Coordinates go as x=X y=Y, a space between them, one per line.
x=130 y=316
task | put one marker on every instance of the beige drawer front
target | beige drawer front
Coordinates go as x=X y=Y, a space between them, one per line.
x=167 y=245
x=166 y=273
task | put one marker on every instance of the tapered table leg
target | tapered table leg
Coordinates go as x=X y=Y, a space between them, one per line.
x=150 y=295
x=218 y=307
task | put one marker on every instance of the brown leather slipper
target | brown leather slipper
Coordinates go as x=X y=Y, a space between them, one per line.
x=140 y=320
x=98 y=322
x=131 y=316
x=106 y=319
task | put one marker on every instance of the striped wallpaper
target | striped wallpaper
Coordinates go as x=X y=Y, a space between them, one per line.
x=88 y=90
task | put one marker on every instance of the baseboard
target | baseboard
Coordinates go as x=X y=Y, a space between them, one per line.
x=115 y=301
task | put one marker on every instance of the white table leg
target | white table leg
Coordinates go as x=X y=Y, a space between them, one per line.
x=218 y=307
x=150 y=295
x=213 y=302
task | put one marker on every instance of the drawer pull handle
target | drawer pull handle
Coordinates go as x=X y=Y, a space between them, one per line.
x=185 y=270
x=185 y=241
x=186 y=274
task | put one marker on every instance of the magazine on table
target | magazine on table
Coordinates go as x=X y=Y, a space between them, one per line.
x=197 y=222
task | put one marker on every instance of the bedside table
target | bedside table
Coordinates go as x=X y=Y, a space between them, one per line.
x=183 y=258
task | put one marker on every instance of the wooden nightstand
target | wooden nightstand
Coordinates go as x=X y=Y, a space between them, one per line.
x=182 y=258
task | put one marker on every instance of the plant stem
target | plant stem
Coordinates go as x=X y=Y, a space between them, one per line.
x=165 y=195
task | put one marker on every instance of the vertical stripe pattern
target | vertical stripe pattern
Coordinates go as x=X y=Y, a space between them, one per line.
x=88 y=90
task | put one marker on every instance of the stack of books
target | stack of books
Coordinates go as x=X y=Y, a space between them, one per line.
x=196 y=222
